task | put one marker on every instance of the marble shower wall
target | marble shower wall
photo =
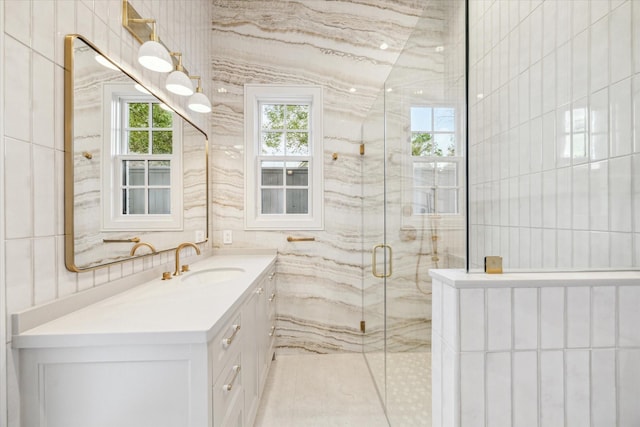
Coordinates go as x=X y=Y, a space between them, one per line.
x=335 y=45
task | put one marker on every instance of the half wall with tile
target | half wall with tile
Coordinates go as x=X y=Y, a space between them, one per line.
x=535 y=349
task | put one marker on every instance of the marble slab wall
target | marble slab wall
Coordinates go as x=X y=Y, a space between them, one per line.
x=334 y=45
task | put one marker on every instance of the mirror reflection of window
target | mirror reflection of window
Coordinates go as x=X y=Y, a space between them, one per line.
x=147 y=137
x=145 y=163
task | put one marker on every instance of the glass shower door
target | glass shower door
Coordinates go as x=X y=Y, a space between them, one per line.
x=373 y=216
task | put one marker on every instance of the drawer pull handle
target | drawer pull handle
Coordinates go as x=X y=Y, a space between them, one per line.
x=227 y=341
x=272 y=297
x=271 y=276
x=259 y=291
x=273 y=330
x=236 y=371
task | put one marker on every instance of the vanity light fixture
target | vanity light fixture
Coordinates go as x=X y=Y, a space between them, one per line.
x=105 y=62
x=178 y=81
x=141 y=89
x=199 y=102
x=153 y=55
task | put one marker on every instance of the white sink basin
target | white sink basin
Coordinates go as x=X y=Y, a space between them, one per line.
x=212 y=275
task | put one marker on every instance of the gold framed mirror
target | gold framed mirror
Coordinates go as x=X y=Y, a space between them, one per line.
x=136 y=171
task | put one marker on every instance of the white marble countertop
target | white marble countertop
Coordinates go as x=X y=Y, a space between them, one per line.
x=462 y=279
x=156 y=312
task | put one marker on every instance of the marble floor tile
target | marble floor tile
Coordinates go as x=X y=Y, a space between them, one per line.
x=331 y=390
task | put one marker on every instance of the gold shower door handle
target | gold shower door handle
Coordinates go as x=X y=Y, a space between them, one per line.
x=374 y=261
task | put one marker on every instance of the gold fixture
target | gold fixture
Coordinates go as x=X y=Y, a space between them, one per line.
x=131 y=240
x=300 y=239
x=236 y=369
x=178 y=249
x=362 y=149
x=185 y=268
x=227 y=341
x=374 y=261
x=363 y=326
x=493 y=265
x=334 y=156
x=87 y=155
x=166 y=275
x=137 y=245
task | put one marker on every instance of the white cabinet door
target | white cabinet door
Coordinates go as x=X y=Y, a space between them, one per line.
x=250 y=352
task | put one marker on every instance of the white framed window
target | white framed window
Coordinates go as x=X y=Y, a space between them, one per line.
x=143 y=166
x=283 y=158
x=436 y=167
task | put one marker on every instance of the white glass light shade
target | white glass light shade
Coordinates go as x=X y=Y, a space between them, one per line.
x=199 y=103
x=105 y=62
x=154 y=56
x=179 y=83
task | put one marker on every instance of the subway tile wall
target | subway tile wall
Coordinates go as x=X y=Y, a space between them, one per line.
x=32 y=142
x=529 y=356
x=554 y=104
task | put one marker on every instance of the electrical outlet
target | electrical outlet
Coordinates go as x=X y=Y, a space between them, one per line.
x=199 y=237
x=227 y=237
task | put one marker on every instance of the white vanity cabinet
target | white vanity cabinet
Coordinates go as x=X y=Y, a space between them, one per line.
x=258 y=350
x=160 y=354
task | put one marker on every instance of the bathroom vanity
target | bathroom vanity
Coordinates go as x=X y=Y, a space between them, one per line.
x=191 y=351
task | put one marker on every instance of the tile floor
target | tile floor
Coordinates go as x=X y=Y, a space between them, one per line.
x=320 y=391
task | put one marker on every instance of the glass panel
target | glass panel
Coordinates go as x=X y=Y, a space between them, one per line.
x=297 y=174
x=447 y=201
x=445 y=144
x=421 y=144
x=272 y=201
x=444 y=119
x=162 y=142
x=298 y=117
x=297 y=143
x=133 y=201
x=272 y=173
x=138 y=115
x=421 y=120
x=447 y=174
x=133 y=172
x=159 y=201
x=161 y=117
x=272 y=117
x=297 y=201
x=423 y=201
x=272 y=143
x=160 y=172
x=138 y=142
x=424 y=175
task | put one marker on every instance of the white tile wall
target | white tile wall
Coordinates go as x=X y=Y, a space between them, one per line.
x=573 y=361
x=32 y=90
x=568 y=71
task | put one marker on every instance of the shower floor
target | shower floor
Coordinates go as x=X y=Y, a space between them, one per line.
x=408 y=386
x=337 y=390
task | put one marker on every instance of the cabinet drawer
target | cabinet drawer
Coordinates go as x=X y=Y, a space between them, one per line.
x=228 y=395
x=227 y=343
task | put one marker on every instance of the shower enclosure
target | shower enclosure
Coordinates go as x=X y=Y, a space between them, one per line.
x=413 y=210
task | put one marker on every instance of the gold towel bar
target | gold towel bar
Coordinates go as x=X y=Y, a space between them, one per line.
x=132 y=240
x=300 y=239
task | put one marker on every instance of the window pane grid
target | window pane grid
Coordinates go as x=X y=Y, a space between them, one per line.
x=284 y=187
x=434 y=158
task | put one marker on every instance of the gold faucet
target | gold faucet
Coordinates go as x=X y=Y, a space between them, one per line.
x=178 y=249
x=137 y=245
